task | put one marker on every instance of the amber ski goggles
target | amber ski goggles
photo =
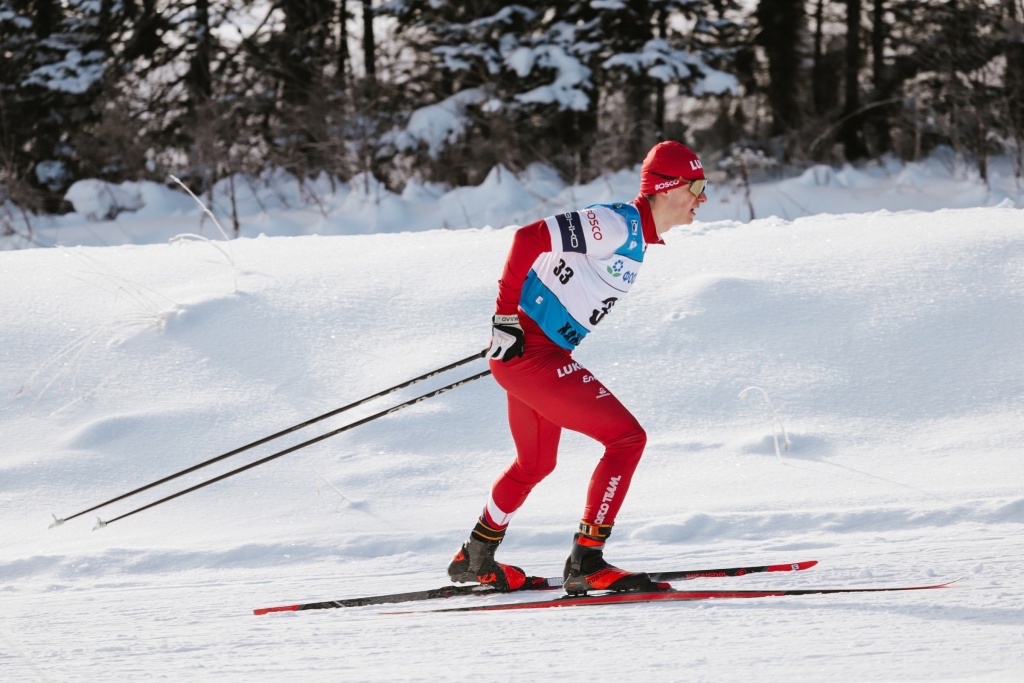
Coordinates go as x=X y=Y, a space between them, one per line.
x=696 y=187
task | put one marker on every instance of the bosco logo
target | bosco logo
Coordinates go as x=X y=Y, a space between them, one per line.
x=595 y=225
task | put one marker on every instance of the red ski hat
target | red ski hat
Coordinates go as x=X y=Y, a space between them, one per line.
x=668 y=165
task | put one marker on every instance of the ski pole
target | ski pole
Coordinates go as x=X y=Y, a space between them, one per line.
x=100 y=523
x=57 y=521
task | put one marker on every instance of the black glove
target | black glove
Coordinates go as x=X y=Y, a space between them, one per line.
x=507 y=338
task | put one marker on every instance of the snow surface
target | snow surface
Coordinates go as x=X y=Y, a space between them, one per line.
x=887 y=343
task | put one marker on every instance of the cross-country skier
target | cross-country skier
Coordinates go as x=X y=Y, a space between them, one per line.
x=563 y=275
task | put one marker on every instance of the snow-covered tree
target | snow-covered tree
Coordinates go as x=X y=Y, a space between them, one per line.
x=55 y=58
x=581 y=85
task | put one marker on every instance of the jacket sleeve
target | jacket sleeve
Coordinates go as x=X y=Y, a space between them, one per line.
x=529 y=242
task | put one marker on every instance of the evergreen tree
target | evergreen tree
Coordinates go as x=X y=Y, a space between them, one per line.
x=851 y=130
x=582 y=85
x=782 y=33
x=472 y=57
x=951 y=64
x=55 y=60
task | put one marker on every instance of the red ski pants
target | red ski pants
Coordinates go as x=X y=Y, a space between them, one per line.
x=548 y=391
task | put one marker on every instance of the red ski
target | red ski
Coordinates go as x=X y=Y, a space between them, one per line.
x=533 y=583
x=665 y=596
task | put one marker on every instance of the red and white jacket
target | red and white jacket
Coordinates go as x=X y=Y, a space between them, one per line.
x=567 y=271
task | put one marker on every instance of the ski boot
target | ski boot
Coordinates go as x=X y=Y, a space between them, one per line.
x=475 y=562
x=586 y=569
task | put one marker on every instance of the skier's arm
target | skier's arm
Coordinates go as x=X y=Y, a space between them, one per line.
x=529 y=242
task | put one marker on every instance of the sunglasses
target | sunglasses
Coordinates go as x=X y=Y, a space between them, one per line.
x=696 y=187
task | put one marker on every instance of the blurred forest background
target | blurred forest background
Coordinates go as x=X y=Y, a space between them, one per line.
x=443 y=91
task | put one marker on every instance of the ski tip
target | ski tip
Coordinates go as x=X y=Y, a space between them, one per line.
x=282 y=608
x=792 y=566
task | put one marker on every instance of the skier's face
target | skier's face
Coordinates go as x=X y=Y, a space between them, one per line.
x=680 y=206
